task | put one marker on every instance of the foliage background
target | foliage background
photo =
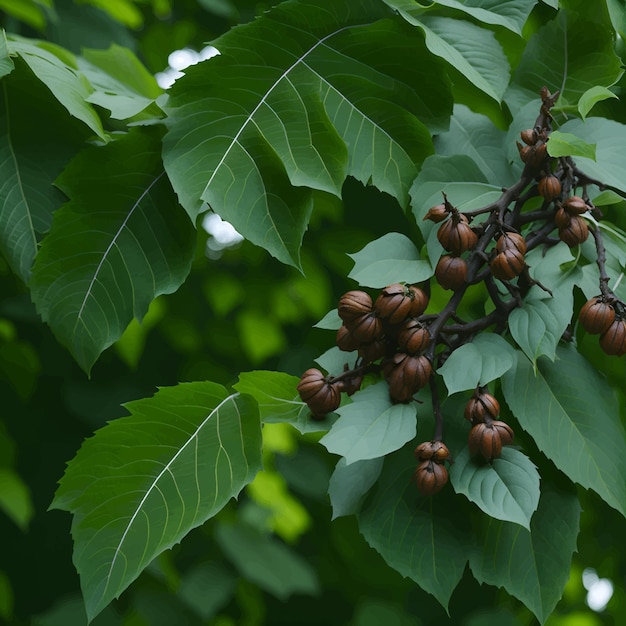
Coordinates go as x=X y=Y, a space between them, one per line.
x=241 y=311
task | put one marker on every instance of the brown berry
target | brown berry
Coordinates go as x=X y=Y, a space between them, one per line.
x=366 y=328
x=549 y=187
x=394 y=303
x=451 y=271
x=525 y=152
x=430 y=477
x=320 y=395
x=437 y=213
x=419 y=300
x=345 y=340
x=575 y=205
x=373 y=351
x=354 y=304
x=436 y=450
x=613 y=341
x=406 y=375
x=456 y=235
x=413 y=336
x=562 y=218
x=488 y=438
x=511 y=241
x=576 y=232
x=507 y=265
x=596 y=316
x=529 y=136
x=482 y=407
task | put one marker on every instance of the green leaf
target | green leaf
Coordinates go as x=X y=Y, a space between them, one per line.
x=507 y=490
x=349 y=484
x=144 y=481
x=609 y=137
x=112 y=249
x=511 y=14
x=475 y=135
x=207 y=588
x=15 y=498
x=330 y=321
x=266 y=562
x=591 y=97
x=31 y=122
x=65 y=83
x=566 y=144
x=27 y=11
x=278 y=400
x=371 y=426
x=6 y=63
x=121 y=83
x=533 y=566
x=334 y=360
x=556 y=50
x=486 y=358
x=328 y=94
x=417 y=536
x=572 y=414
x=389 y=259
x=472 y=50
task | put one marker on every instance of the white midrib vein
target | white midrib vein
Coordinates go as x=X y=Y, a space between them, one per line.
x=235 y=140
x=155 y=482
x=110 y=246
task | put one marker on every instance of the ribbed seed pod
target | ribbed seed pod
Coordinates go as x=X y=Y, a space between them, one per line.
x=575 y=205
x=511 y=241
x=394 y=303
x=596 y=316
x=354 y=304
x=321 y=396
x=482 y=407
x=613 y=341
x=437 y=213
x=507 y=265
x=406 y=375
x=436 y=450
x=419 y=300
x=456 y=235
x=366 y=328
x=576 y=232
x=413 y=336
x=451 y=271
x=549 y=187
x=562 y=218
x=430 y=477
x=488 y=438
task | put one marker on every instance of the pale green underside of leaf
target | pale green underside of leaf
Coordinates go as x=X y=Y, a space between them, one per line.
x=486 y=358
x=371 y=426
x=511 y=14
x=390 y=259
x=416 y=535
x=349 y=484
x=65 y=83
x=278 y=400
x=532 y=566
x=470 y=49
x=113 y=248
x=507 y=490
x=571 y=413
x=328 y=94
x=143 y=482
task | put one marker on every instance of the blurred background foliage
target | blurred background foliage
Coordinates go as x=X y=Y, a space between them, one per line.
x=274 y=557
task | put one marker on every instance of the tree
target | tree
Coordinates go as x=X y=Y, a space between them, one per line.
x=362 y=147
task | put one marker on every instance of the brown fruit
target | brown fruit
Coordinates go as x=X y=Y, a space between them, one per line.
x=525 y=152
x=345 y=340
x=394 y=303
x=507 y=265
x=430 y=477
x=413 y=336
x=451 y=271
x=437 y=213
x=366 y=328
x=596 y=316
x=511 y=241
x=482 y=407
x=373 y=351
x=575 y=232
x=575 y=205
x=436 y=450
x=529 y=137
x=488 y=439
x=613 y=341
x=538 y=155
x=456 y=235
x=549 y=187
x=320 y=396
x=419 y=300
x=406 y=375
x=354 y=304
x=562 y=218
x=350 y=385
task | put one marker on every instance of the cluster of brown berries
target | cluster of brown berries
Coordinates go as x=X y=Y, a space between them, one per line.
x=599 y=316
x=488 y=434
x=431 y=474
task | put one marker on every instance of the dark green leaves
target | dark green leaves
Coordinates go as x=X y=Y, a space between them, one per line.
x=144 y=481
x=328 y=94
x=113 y=248
x=572 y=415
x=532 y=566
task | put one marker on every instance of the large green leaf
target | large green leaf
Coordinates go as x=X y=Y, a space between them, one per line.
x=65 y=83
x=468 y=48
x=6 y=63
x=507 y=490
x=112 y=249
x=389 y=259
x=349 y=484
x=571 y=51
x=328 y=93
x=417 y=536
x=486 y=358
x=278 y=400
x=573 y=416
x=371 y=426
x=32 y=124
x=144 y=481
x=533 y=566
